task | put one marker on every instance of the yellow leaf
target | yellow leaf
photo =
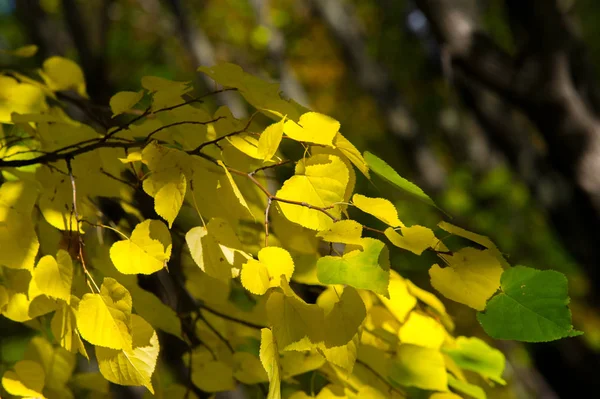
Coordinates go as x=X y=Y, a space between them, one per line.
x=135 y=365
x=16 y=227
x=345 y=231
x=350 y=151
x=3 y=298
x=124 y=101
x=269 y=140
x=259 y=275
x=63 y=74
x=269 y=357
x=211 y=375
x=167 y=182
x=246 y=143
x=145 y=252
x=423 y=331
x=478 y=238
x=25 y=51
x=259 y=93
x=295 y=323
x=169 y=198
x=94 y=382
x=342 y=322
x=248 y=369
x=419 y=367
x=207 y=254
x=27 y=379
x=415 y=239
x=22 y=98
x=319 y=181
x=58 y=364
x=54 y=277
x=432 y=301
x=381 y=208
x=154 y=311
x=294 y=363
x=133 y=156
x=234 y=186
x=165 y=93
x=105 y=319
x=313 y=128
x=63 y=326
x=471 y=278
x=401 y=302
x=343 y=356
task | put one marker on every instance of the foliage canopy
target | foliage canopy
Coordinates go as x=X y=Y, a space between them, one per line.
x=273 y=282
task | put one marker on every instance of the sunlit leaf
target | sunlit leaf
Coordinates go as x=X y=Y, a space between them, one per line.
x=259 y=275
x=381 y=168
x=531 y=307
x=145 y=252
x=367 y=268
x=135 y=365
x=471 y=277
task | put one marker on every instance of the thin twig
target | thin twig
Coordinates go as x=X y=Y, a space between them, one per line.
x=216 y=332
x=231 y=318
x=80 y=239
x=267 y=221
x=255 y=171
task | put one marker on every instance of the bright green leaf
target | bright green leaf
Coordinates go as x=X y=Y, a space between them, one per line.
x=532 y=307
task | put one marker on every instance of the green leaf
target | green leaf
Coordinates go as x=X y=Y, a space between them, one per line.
x=464 y=387
x=474 y=354
x=380 y=167
x=532 y=307
x=367 y=269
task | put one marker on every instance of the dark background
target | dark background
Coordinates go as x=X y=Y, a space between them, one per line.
x=491 y=106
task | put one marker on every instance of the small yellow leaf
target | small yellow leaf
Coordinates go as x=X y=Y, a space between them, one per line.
x=25 y=51
x=313 y=128
x=63 y=74
x=133 y=156
x=423 y=331
x=401 y=302
x=22 y=98
x=478 y=238
x=293 y=363
x=415 y=239
x=350 y=151
x=319 y=181
x=235 y=188
x=207 y=254
x=343 y=356
x=211 y=375
x=419 y=367
x=63 y=326
x=259 y=275
x=342 y=322
x=295 y=324
x=16 y=227
x=54 y=277
x=269 y=357
x=248 y=369
x=124 y=101
x=269 y=140
x=344 y=231
x=169 y=198
x=381 y=208
x=27 y=379
x=146 y=252
x=105 y=319
x=133 y=366
x=471 y=278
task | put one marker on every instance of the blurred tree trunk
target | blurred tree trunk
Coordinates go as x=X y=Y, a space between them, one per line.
x=372 y=77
